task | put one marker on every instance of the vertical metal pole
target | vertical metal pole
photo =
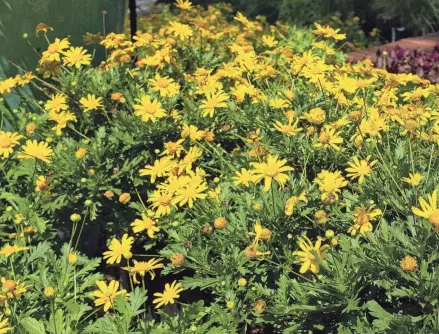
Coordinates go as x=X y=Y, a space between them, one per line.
x=133 y=17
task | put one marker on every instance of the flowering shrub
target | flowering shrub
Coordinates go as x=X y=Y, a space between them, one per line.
x=400 y=60
x=210 y=176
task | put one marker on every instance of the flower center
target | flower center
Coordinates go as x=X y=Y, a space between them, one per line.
x=163 y=83
x=434 y=217
x=53 y=48
x=9 y=285
x=164 y=200
x=324 y=138
x=5 y=142
x=271 y=171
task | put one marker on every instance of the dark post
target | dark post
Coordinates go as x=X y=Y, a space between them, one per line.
x=133 y=17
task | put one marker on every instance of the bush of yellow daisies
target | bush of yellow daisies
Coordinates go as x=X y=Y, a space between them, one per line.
x=215 y=175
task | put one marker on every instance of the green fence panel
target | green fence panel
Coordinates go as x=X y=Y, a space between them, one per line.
x=71 y=18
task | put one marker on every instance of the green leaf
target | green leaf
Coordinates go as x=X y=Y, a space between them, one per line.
x=33 y=326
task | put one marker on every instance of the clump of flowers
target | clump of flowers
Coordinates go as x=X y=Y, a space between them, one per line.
x=211 y=175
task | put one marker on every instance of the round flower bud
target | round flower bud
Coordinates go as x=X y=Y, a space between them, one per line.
x=220 y=223
x=88 y=202
x=408 y=264
x=321 y=217
x=75 y=217
x=124 y=198
x=18 y=218
x=108 y=194
x=30 y=128
x=216 y=180
x=334 y=241
x=91 y=172
x=49 y=291
x=329 y=234
x=230 y=305
x=8 y=208
x=25 y=35
x=257 y=207
x=83 y=180
x=72 y=257
x=260 y=306
x=177 y=259
x=242 y=282
x=250 y=252
x=80 y=153
x=127 y=255
x=206 y=229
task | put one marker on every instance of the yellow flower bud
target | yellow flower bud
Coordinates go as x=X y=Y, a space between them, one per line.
x=49 y=291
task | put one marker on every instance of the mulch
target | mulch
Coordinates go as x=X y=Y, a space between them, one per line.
x=424 y=43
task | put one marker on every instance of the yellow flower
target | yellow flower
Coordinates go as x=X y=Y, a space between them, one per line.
x=124 y=198
x=149 y=110
x=429 y=210
x=180 y=30
x=106 y=294
x=56 y=103
x=161 y=202
x=11 y=289
x=192 y=132
x=220 y=223
x=413 y=179
x=91 y=102
x=183 y=4
x=4 y=325
x=141 y=268
x=330 y=184
x=328 y=32
x=307 y=254
x=7 y=142
x=315 y=116
x=117 y=249
x=173 y=149
x=30 y=128
x=288 y=129
x=170 y=293
x=49 y=291
x=36 y=150
x=166 y=86
x=360 y=168
x=41 y=183
x=243 y=177
x=145 y=224
x=72 y=257
x=189 y=192
x=54 y=50
x=260 y=233
x=213 y=100
x=80 y=153
x=269 y=41
x=76 y=56
x=291 y=203
x=160 y=168
x=61 y=119
x=408 y=264
x=272 y=169
x=8 y=250
x=321 y=217
x=363 y=218
x=329 y=138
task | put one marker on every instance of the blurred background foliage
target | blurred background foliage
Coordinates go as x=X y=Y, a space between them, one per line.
x=416 y=16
